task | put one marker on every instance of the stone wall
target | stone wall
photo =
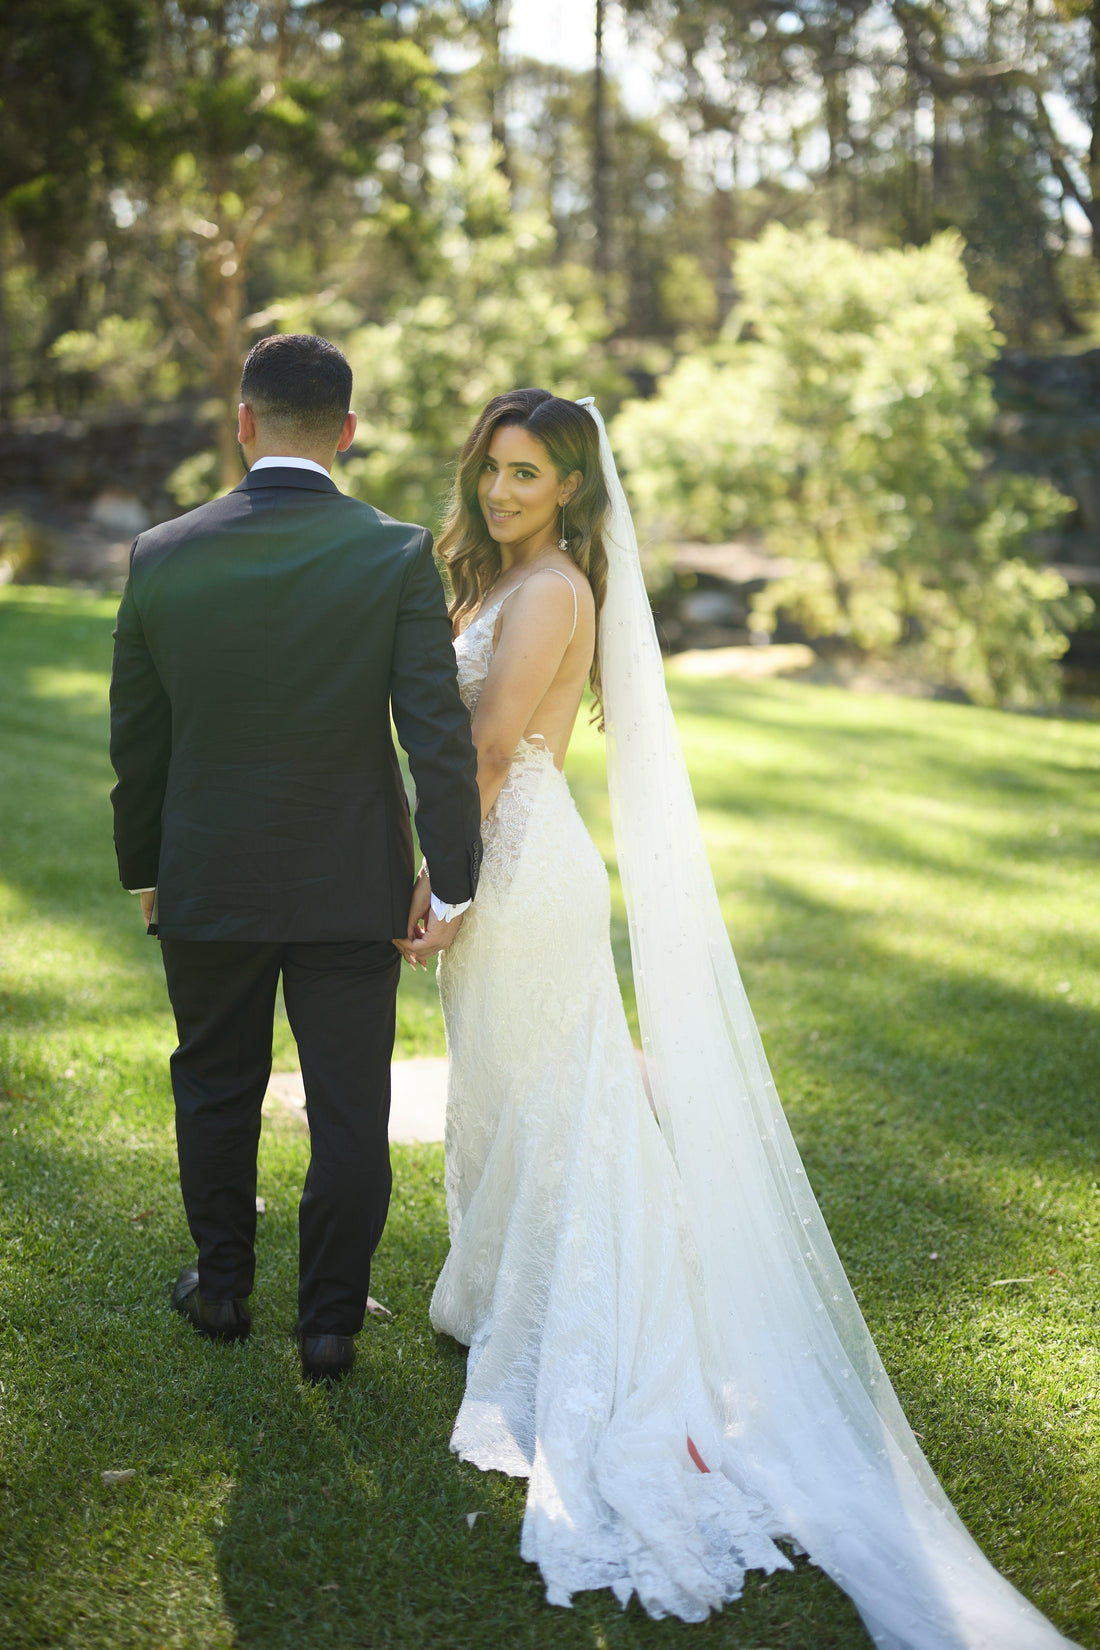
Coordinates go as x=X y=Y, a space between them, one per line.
x=1049 y=425
x=125 y=450
x=74 y=491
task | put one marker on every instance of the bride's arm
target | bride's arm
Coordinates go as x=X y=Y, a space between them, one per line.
x=536 y=629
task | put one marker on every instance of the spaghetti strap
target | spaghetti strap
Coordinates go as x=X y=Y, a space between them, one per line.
x=558 y=574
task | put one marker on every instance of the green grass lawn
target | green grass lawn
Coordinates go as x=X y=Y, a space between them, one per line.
x=911 y=889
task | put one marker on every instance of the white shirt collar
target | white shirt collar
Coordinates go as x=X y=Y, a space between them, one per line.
x=282 y=463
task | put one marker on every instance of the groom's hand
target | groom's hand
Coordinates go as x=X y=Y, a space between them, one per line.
x=419 y=910
x=147 y=898
x=437 y=936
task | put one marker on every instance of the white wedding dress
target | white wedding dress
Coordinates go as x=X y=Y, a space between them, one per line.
x=571 y=1274
x=662 y=1338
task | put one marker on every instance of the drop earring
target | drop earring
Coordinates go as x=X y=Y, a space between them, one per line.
x=563 y=542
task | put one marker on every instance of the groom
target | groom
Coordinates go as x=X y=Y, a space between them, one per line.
x=262 y=643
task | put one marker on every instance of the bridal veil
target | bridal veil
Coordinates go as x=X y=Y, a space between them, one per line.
x=808 y=1409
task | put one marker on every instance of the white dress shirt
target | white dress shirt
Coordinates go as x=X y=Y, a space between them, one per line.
x=281 y=463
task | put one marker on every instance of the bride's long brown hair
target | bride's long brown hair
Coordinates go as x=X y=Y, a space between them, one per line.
x=572 y=440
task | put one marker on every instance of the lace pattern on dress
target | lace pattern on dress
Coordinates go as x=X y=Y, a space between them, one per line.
x=504 y=830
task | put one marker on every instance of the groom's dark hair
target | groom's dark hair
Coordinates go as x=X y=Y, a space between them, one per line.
x=298 y=385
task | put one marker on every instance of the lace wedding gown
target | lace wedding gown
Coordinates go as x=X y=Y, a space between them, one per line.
x=661 y=1337
x=571 y=1274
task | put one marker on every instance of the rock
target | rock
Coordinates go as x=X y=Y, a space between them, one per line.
x=712 y=607
x=121 y=511
x=747 y=663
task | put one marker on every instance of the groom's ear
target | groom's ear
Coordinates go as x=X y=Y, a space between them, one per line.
x=246 y=424
x=347 y=434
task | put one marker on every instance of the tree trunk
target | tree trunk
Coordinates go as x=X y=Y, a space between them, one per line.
x=837 y=126
x=228 y=281
x=1094 y=123
x=496 y=18
x=724 y=220
x=5 y=330
x=601 y=251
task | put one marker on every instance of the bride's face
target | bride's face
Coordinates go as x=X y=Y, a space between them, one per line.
x=519 y=490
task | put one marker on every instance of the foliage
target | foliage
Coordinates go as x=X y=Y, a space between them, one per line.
x=654 y=211
x=127 y=359
x=893 y=119
x=66 y=80
x=24 y=548
x=195 y=480
x=907 y=884
x=203 y=165
x=252 y=127
x=198 y=165
x=493 y=317
x=844 y=412
x=68 y=69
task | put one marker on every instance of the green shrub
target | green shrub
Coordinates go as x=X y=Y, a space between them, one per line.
x=845 y=412
x=195 y=481
x=24 y=549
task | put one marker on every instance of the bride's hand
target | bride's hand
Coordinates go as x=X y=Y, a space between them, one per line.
x=437 y=937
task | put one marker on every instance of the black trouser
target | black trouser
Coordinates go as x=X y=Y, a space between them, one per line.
x=340 y=999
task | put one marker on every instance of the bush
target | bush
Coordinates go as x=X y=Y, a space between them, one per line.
x=195 y=481
x=844 y=411
x=124 y=359
x=24 y=549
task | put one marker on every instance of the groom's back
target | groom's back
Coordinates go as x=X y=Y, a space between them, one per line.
x=270 y=617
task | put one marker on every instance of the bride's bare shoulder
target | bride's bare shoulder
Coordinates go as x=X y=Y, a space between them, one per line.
x=561 y=587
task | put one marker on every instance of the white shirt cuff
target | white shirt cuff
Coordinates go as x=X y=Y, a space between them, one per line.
x=447 y=913
x=140 y=890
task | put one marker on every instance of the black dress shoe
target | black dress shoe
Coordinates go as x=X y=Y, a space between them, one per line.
x=217 y=1320
x=326 y=1357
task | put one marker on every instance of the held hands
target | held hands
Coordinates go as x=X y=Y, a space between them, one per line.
x=426 y=935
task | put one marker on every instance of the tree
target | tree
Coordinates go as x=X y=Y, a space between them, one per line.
x=845 y=413
x=769 y=79
x=1001 y=76
x=893 y=119
x=258 y=127
x=654 y=216
x=66 y=73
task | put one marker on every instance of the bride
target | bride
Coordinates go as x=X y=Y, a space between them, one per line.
x=661 y=1336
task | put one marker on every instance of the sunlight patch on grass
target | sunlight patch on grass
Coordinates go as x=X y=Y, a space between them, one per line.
x=66 y=682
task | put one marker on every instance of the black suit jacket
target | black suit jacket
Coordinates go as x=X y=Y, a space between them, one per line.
x=261 y=643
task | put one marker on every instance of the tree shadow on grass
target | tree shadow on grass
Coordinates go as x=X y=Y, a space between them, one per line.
x=368 y=1540
x=949 y=1128
x=926 y=1101
x=98 y=1378
x=1011 y=1470
x=960 y=753
x=341 y=1516
x=955 y=1055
